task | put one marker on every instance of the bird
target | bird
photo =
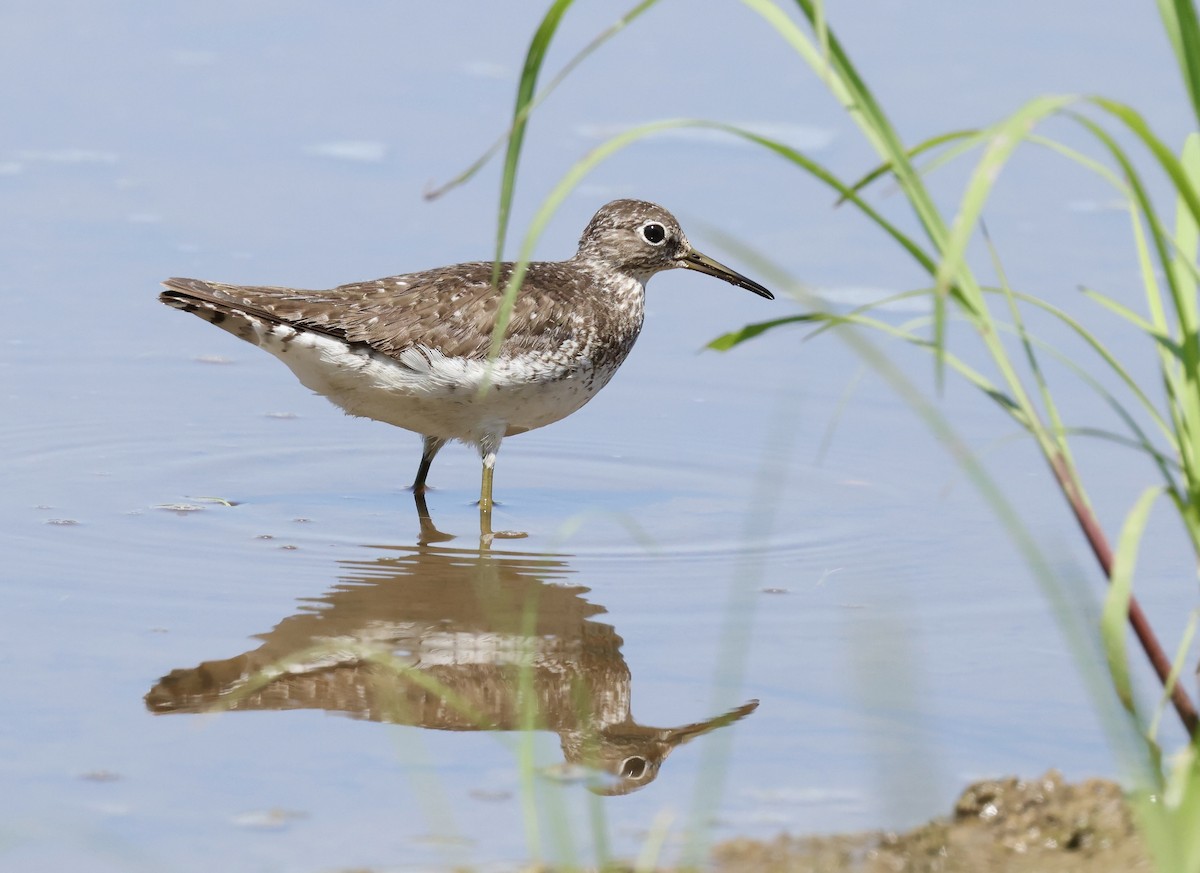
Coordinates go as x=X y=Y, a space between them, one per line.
x=414 y=350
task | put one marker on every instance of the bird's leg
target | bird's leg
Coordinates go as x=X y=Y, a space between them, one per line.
x=489 y=445
x=430 y=447
x=485 y=490
x=485 y=501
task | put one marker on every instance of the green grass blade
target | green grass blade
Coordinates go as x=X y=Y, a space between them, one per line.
x=1003 y=141
x=649 y=857
x=1187 y=238
x=527 y=710
x=1138 y=443
x=727 y=341
x=835 y=417
x=1114 y=620
x=820 y=172
x=989 y=388
x=1054 y=435
x=730 y=339
x=1182 y=378
x=1182 y=655
x=821 y=29
x=1078 y=157
x=534 y=57
x=1183 y=800
x=1171 y=165
x=1122 y=311
x=523 y=113
x=1167 y=464
x=1183 y=30
x=933 y=142
x=851 y=91
x=733 y=338
x=599 y=830
x=880 y=304
x=1105 y=354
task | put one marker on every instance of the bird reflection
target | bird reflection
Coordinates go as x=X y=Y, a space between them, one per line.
x=446 y=638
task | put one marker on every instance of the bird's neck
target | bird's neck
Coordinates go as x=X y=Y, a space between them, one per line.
x=606 y=269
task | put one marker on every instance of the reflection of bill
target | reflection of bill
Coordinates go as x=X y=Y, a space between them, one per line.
x=444 y=638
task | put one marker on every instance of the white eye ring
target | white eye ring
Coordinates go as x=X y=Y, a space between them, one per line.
x=653 y=232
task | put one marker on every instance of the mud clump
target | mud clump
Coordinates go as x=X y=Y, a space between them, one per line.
x=998 y=825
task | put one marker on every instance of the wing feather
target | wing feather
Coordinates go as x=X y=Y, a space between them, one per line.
x=452 y=310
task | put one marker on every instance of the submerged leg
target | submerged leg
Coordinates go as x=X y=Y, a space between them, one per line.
x=430 y=447
x=487 y=450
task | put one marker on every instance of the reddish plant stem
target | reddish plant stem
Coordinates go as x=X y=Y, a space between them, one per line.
x=1137 y=619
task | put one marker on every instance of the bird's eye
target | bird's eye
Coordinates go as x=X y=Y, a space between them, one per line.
x=635 y=767
x=654 y=233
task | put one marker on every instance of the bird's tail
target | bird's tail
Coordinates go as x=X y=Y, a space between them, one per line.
x=223 y=306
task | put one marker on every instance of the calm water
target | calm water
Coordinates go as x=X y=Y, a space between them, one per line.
x=691 y=547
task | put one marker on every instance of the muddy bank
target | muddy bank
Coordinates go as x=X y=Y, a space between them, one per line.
x=997 y=825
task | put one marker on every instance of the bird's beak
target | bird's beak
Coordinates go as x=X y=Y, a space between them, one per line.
x=693 y=260
x=680 y=735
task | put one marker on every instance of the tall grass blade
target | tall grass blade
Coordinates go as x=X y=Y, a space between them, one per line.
x=852 y=92
x=727 y=341
x=1056 y=433
x=599 y=829
x=1004 y=139
x=821 y=29
x=650 y=854
x=1183 y=30
x=1162 y=153
x=1168 y=815
x=956 y=136
x=1116 y=604
x=526 y=746
x=1182 y=381
x=1181 y=661
x=520 y=116
x=1187 y=240
x=534 y=57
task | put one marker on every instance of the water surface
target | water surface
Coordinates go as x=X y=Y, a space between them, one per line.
x=691 y=543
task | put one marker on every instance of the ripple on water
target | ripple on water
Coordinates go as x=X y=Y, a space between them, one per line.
x=598 y=503
x=605 y=498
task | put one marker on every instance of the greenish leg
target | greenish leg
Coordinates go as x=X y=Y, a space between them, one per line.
x=485 y=492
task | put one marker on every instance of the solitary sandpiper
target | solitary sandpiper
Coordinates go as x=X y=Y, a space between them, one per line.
x=413 y=350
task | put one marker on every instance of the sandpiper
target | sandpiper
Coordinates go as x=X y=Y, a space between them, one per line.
x=413 y=350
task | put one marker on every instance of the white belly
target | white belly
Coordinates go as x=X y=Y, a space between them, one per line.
x=431 y=394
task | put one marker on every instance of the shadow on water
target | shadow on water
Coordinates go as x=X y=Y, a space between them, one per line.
x=449 y=639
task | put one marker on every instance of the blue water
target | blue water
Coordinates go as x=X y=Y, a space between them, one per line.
x=864 y=594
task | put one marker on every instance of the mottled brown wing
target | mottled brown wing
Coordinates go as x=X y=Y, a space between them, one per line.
x=452 y=309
